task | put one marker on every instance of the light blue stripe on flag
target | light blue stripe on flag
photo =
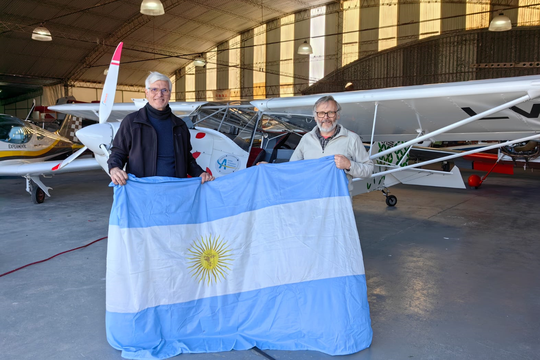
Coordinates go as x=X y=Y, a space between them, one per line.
x=266 y=257
x=262 y=186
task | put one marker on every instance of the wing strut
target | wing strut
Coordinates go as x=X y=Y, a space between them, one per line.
x=455 y=125
x=445 y=158
x=373 y=128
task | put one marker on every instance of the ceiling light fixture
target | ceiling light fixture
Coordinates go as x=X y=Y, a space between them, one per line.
x=152 y=8
x=305 y=49
x=199 y=61
x=500 y=22
x=41 y=33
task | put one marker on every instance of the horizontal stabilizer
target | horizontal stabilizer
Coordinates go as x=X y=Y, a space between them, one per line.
x=452 y=179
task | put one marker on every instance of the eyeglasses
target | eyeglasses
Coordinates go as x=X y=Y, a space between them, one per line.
x=330 y=114
x=156 y=90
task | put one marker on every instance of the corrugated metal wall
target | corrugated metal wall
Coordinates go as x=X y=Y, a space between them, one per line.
x=478 y=54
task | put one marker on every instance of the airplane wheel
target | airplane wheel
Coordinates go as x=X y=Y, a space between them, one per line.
x=391 y=200
x=446 y=166
x=38 y=195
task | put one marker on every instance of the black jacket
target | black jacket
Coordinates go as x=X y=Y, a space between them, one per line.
x=136 y=144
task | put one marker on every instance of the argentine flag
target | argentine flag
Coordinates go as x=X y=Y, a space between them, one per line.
x=267 y=257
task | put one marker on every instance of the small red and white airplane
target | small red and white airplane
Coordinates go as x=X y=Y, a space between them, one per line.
x=231 y=136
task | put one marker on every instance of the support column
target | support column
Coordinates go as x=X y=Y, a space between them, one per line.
x=301 y=62
x=246 y=64
x=180 y=84
x=223 y=66
x=273 y=55
x=200 y=83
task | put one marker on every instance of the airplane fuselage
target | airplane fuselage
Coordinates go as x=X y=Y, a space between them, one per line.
x=21 y=140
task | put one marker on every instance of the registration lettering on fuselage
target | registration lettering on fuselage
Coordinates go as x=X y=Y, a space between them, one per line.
x=16 y=146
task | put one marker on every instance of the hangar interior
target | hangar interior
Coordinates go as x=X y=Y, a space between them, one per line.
x=465 y=288
x=253 y=53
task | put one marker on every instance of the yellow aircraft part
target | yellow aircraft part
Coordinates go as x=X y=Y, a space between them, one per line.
x=33 y=153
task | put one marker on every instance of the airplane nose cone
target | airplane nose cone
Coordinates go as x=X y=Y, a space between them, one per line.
x=93 y=136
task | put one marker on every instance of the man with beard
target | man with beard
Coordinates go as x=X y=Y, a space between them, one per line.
x=330 y=138
x=153 y=141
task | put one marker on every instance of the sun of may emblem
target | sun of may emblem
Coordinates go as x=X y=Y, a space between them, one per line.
x=209 y=259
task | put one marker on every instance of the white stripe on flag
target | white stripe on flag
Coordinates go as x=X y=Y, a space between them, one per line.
x=286 y=246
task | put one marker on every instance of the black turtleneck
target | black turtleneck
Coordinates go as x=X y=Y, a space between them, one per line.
x=158 y=114
x=161 y=121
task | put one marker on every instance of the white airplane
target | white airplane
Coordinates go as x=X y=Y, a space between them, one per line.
x=231 y=136
x=27 y=150
x=394 y=120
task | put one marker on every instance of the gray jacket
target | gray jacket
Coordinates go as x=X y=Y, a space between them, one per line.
x=345 y=143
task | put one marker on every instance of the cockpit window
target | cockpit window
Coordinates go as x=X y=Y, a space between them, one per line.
x=13 y=130
x=237 y=121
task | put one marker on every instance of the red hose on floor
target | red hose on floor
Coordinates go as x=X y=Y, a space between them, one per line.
x=63 y=252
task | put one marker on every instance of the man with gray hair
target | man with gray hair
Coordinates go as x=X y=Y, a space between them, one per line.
x=330 y=138
x=153 y=141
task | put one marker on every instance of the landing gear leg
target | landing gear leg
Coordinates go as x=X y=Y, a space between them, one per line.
x=391 y=200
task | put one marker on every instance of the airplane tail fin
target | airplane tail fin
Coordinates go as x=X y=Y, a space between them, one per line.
x=60 y=101
x=70 y=126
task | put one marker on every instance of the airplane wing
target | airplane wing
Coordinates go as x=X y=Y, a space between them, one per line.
x=32 y=171
x=28 y=168
x=401 y=114
x=393 y=120
x=120 y=110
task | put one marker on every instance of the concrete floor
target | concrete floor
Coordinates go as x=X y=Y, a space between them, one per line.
x=452 y=274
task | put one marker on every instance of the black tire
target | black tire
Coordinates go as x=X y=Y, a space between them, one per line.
x=38 y=195
x=446 y=167
x=391 y=200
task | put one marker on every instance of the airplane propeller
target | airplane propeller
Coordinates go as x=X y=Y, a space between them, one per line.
x=105 y=105
x=109 y=88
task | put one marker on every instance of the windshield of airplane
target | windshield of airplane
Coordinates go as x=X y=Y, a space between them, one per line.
x=237 y=121
x=288 y=123
x=13 y=130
